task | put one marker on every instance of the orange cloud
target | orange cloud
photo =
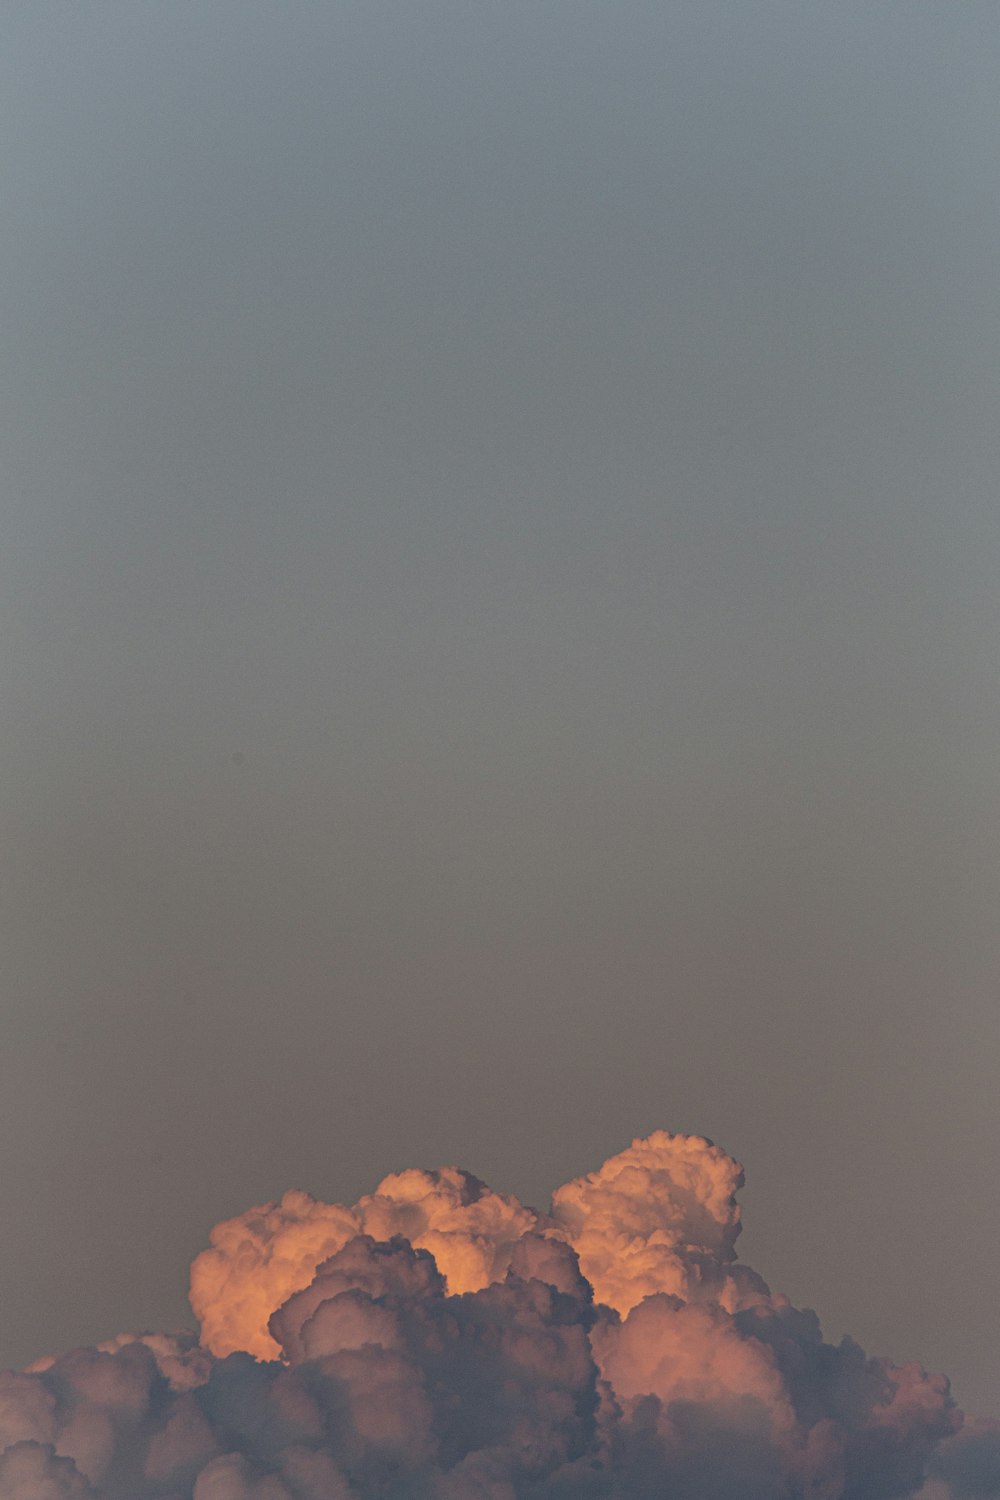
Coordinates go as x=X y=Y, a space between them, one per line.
x=440 y=1339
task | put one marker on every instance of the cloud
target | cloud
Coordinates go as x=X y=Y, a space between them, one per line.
x=967 y=1467
x=660 y=1217
x=439 y=1341
x=256 y=1261
x=31 y=1471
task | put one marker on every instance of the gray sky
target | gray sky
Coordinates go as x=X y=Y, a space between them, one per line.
x=499 y=625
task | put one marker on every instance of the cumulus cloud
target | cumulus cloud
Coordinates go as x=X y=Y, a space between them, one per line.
x=31 y=1471
x=256 y=1261
x=439 y=1341
x=967 y=1467
x=660 y=1217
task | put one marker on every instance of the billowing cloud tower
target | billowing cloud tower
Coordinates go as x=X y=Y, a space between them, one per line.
x=440 y=1341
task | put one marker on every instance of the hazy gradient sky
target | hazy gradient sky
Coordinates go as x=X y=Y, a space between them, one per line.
x=499 y=624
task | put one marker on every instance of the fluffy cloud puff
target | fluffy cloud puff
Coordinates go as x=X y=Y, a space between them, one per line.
x=659 y=1217
x=967 y=1467
x=438 y=1341
x=259 y=1259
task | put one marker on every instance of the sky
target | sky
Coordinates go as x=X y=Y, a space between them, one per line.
x=498 y=629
